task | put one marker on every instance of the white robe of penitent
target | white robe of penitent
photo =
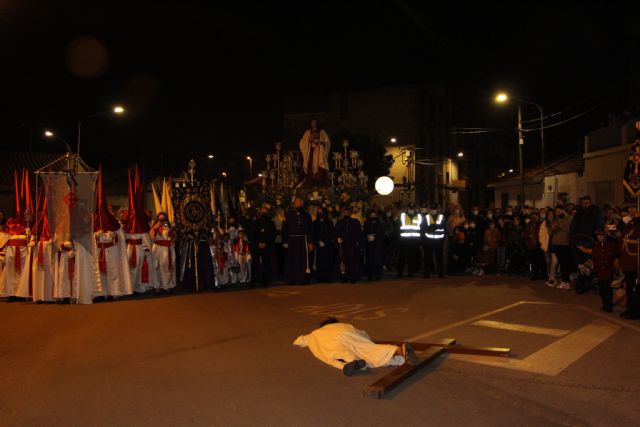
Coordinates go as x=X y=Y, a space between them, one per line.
x=4 y=238
x=16 y=278
x=339 y=343
x=65 y=282
x=42 y=270
x=164 y=259
x=141 y=265
x=110 y=255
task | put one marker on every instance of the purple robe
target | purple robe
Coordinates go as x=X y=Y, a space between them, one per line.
x=349 y=251
x=296 y=232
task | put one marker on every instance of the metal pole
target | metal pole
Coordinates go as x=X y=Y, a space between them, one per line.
x=520 y=144
x=78 y=145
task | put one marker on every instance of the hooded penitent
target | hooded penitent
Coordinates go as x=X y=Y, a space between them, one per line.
x=103 y=220
x=137 y=223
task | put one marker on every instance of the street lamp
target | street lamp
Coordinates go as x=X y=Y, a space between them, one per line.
x=460 y=154
x=393 y=140
x=210 y=156
x=250 y=166
x=502 y=98
x=118 y=109
x=50 y=134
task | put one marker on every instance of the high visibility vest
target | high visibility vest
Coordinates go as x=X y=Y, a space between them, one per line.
x=410 y=226
x=435 y=227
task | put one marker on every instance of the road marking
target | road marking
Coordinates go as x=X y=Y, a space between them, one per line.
x=474 y=318
x=280 y=293
x=521 y=328
x=357 y=311
x=610 y=318
x=557 y=356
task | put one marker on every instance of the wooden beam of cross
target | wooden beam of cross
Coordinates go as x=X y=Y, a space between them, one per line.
x=427 y=353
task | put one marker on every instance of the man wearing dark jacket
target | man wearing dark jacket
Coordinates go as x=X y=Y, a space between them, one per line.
x=585 y=222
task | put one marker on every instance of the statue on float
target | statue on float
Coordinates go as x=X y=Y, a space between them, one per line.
x=315 y=146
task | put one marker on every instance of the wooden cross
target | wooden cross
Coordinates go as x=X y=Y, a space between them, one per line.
x=427 y=353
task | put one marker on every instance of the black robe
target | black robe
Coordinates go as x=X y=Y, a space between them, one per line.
x=323 y=231
x=263 y=233
x=374 y=250
x=296 y=233
x=349 y=251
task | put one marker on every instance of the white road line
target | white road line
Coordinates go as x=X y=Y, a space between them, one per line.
x=472 y=319
x=521 y=328
x=610 y=318
x=557 y=356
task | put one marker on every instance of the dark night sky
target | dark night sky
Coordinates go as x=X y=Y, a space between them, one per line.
x=198 y=77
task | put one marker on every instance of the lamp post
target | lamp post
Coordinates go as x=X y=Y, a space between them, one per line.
x=250 y=166
x=502 y=98
x=50 y=134
x=116 y=110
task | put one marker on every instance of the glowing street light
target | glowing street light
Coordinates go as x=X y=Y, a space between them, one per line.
x=250 y=166
x=460 y=154
x=393 y=140
x=510 y=170
x=210 y=156
x=502 y=98
x=118 y=109
x=50 y=134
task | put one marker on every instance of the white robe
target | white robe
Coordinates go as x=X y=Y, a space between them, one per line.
x=65 y=282
x=117 y=281
x=4 y=238
x=166 y=278
x=85 y=275
x=240 y=262
x=220 y=268
x=13 y=280
x=322 y=153
x=343 y=341
x=42 y=275
x=143 y=253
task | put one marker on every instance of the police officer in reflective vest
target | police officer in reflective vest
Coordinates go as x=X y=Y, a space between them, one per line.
x=410 y=222
x=433 y=232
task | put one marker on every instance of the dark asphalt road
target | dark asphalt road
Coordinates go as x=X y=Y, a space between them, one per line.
x=227 y=358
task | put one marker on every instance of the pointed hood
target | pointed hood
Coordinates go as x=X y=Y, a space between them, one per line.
x=137 y=222
x=26 y=193
x=103 y=220
x=42 y=224
x=17 y=207
x=16 y=224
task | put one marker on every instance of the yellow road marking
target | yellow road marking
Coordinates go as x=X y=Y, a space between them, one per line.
x=521 y=328
x=557 y=356
x=474 y=318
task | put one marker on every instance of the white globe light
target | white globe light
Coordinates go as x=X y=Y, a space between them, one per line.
x=384 y=185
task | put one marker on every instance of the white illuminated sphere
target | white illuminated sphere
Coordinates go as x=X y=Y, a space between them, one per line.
x=384 y=185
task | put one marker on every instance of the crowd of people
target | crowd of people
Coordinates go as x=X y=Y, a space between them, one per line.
x=568 y=247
